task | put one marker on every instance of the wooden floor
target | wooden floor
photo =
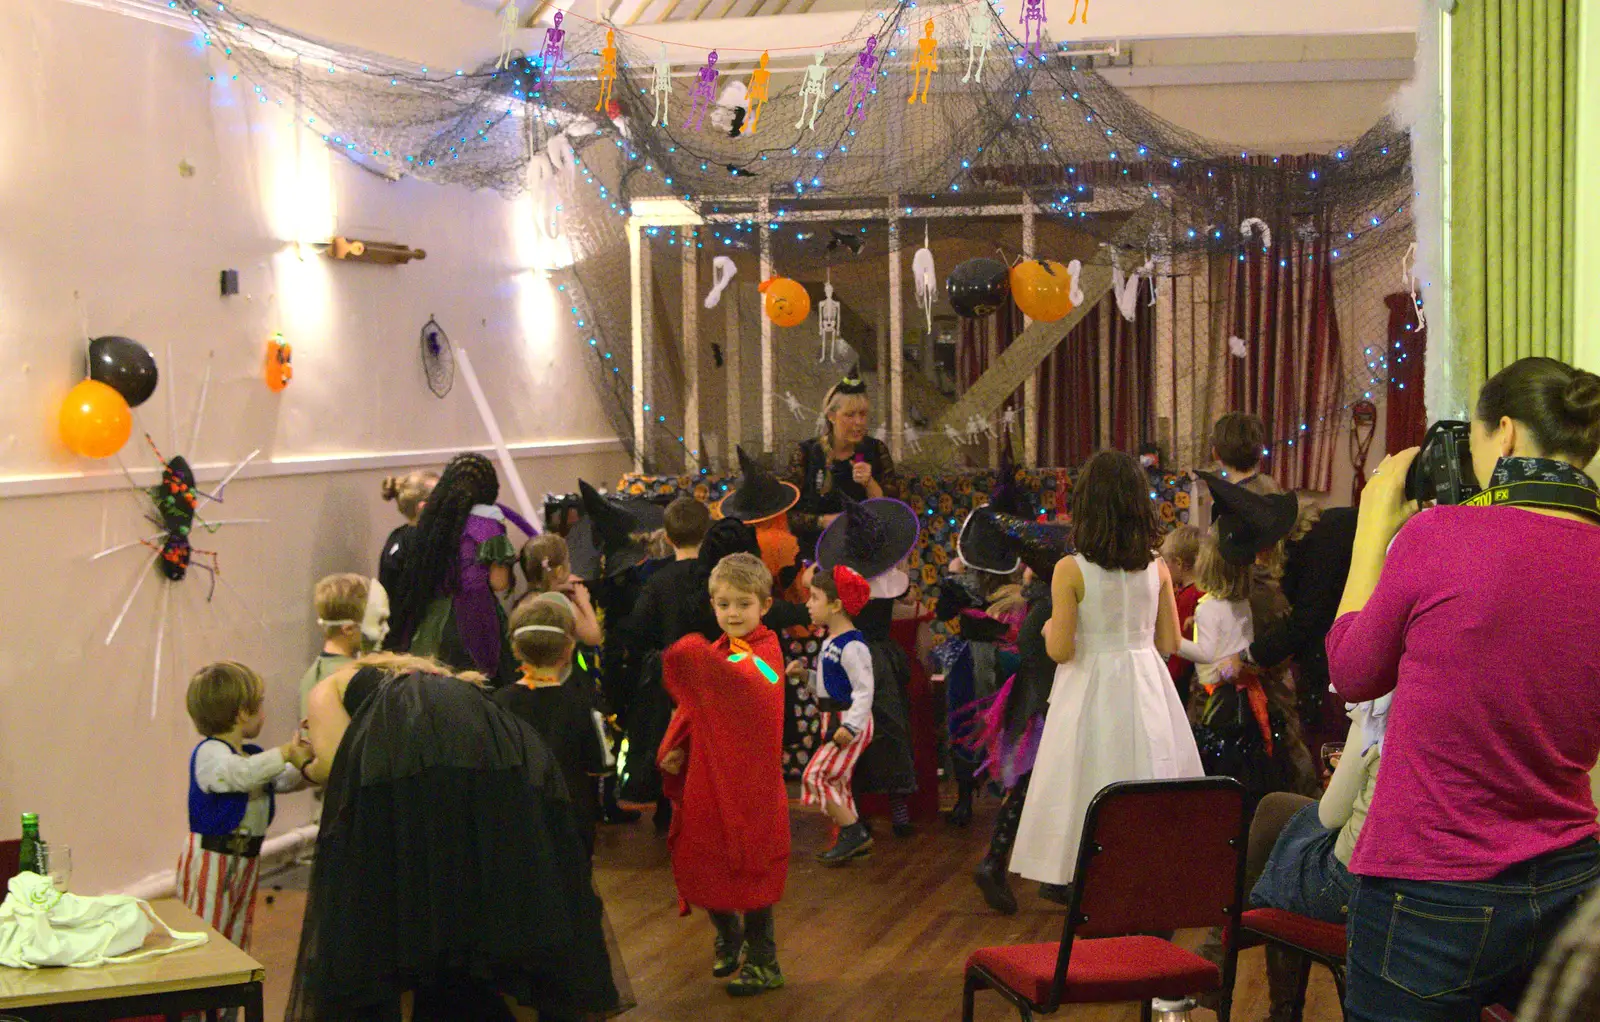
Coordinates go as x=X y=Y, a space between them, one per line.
x=883 y=939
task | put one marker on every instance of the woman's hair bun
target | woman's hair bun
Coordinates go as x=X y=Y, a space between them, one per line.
x=391 y=487
x=1581 y=400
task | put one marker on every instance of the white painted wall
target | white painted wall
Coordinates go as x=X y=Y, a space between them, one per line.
x=103 y=235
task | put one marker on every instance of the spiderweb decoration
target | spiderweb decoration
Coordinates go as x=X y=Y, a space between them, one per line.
x=1115 y=181
x=438 y=358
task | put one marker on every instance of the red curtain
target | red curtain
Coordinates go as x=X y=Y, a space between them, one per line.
x=1069 y=397
x=1281 y=306
x=1407 y=420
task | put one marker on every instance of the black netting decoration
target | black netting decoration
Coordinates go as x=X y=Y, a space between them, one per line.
x=438 y=358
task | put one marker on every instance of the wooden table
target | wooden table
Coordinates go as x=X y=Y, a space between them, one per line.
x=214 y=975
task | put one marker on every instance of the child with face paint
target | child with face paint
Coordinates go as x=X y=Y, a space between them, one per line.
x=353 y=613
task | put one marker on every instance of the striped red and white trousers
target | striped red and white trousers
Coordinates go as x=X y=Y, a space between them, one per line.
x=221 y=889
x=827 y=777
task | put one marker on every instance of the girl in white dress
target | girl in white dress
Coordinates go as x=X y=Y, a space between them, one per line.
x=1114 y=712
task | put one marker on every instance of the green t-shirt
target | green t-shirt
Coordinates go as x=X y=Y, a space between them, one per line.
x=324 y=665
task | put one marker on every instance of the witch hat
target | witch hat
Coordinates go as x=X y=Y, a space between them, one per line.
x=1039 y=545
x=601 y=544
x=1249 y=522
x=978 y=543
x=761 y=494
x=871 y=536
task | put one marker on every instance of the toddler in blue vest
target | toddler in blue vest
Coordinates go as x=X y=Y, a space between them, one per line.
x=843 y=684
x=231 y=788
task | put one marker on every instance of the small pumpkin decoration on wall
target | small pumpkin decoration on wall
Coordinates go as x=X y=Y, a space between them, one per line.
x=1043 y=288
x=277 y=366
x=787 y=303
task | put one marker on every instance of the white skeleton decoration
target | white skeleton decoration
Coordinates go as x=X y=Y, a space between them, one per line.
x=549 y=174
x=951 y=435
x=913 y=440
x=1254 y=224
x=816 y=79
x=828 y=326
x=925 y=278
x=978 y=426
x=792 y=403
x=881 y=434
x=980 y=30
x=662 y=88
x=1125 y=288
x=510 y=19
x=722 y=272
x=1008 y=420
x=1410 y=281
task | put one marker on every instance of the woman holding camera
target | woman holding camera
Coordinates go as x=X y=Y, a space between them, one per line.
x=1481 y=837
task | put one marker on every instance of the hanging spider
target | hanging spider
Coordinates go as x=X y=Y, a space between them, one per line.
x=176 y=501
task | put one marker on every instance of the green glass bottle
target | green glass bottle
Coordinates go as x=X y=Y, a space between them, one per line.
x=30 y=857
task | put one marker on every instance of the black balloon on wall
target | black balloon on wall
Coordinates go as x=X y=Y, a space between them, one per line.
x=125 y=366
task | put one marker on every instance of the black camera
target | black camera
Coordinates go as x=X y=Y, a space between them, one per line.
x=1442 y=472
x=561 y=512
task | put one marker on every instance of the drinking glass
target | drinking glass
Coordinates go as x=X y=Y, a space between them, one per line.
x=57 y=862
x=1332 y=752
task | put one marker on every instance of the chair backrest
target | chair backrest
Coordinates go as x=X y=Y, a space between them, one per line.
x=1160 y=855
x=10 y=857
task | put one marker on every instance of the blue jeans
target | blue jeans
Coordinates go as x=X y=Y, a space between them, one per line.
x=1436 y=951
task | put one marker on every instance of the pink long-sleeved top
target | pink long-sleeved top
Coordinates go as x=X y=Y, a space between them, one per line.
x=1486 y=626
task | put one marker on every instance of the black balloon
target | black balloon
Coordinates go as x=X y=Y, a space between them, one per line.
x=125 y=366
x=978 y=287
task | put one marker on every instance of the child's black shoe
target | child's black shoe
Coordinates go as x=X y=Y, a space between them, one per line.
x=756 y=979
x=854 y=842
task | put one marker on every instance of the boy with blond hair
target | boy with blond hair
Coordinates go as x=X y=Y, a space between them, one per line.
x=722 y=766
x=231 y=788
x=353 y=613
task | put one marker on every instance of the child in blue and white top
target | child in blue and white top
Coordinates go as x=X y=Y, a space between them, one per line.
x=231 y=788
x=843 y=685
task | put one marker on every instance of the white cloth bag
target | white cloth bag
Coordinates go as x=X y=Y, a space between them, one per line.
x=40 y=926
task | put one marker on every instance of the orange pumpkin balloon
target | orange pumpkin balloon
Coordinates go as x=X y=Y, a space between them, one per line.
x=277 y=366
x=1042 y=289
x=787 y=302
x=95 y=420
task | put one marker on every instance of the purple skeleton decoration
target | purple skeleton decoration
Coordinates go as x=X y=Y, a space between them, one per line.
x=550 y=56
x=861 y=82
x=1033 y=14
x=704 y=93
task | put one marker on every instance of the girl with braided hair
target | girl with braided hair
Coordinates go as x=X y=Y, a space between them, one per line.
x=459 y=560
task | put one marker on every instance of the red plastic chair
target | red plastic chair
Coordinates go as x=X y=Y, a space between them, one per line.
x=1156 y=856
x=1316 y=941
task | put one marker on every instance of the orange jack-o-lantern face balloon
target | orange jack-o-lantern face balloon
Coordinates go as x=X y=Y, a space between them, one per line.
x=278 y=369
x=1042 y=289
x=787 y=303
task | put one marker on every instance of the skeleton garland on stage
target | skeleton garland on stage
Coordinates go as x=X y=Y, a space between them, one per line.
x=173 y=505
x=980 y=31
x=828 y=326
x=811 y=91
x=661 y=90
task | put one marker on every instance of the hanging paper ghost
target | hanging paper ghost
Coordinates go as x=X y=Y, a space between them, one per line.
x=1238 y=348
x=549 y=174
x=1075 y=273
x=731 y=108
x=1125 y=289
x=1254 y=224
x=722 y=271
x=925 y=279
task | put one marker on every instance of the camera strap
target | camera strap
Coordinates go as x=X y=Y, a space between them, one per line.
x=1550 y=496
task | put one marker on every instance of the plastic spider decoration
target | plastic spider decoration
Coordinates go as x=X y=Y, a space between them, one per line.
x=176 y=501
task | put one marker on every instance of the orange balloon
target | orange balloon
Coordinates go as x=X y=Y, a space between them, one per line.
x=787 y=302
x=1042 y=289
x=95 y=420
x=277 y=366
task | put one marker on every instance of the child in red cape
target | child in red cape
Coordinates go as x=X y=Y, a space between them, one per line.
x=722 y=765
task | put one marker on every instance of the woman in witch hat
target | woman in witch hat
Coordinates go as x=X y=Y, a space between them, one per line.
x=844 y=462
x=872 y=538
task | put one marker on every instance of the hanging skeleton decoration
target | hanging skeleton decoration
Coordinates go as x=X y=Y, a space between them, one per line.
x=913 y=440
x=794 y=406
x=510 y=21
x=722 y=273
x=828 y=325
x=550 y=54
x=811 y=90
x=980 y=30
x=925 y=278
x=661 y=89
x=1410 y=282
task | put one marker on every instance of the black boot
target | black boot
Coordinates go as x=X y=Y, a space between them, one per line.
x=854 y=842
x=1061 y=894
x=960 y=814
x=991 y=880
x=729 y=943
x=611 y=812
x=663 y=816
x=760 y=972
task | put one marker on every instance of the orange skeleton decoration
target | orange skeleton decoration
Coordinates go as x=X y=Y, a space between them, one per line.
x=276 y=367
x=927 y=63
x=608 y=69
x=756 y=97
x=1074 y=19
